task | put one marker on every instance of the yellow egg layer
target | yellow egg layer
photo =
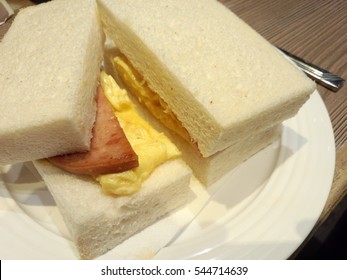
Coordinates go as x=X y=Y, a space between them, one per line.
x=146 y=96
x=152 y=147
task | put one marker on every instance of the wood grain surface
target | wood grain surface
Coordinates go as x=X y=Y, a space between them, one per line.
x=315 y=30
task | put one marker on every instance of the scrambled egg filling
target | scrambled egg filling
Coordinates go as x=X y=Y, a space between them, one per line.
x=154 y=103
x=152 y=148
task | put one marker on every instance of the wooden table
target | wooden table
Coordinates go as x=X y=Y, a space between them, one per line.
x=312 y=29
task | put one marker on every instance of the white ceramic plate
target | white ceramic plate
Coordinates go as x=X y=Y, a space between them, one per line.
x=262 y=210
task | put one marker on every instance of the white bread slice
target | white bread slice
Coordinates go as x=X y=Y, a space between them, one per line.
x=49 y=68
x=98 y=222
x=220 y=77
x=210 y=169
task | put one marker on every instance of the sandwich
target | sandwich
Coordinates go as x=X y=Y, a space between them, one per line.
x=221 y=95
x=110 y=173
x=211 y=77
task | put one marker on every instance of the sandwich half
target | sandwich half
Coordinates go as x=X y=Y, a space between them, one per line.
x=218 y=76
x=221 y=88
x=207 y=169
x=103 y=210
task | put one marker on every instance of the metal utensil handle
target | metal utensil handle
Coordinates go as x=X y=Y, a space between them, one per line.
x=321 y=76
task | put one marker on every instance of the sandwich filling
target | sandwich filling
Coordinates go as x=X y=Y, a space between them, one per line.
x=146 y=96
x=110 y=150
x=152 y=147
